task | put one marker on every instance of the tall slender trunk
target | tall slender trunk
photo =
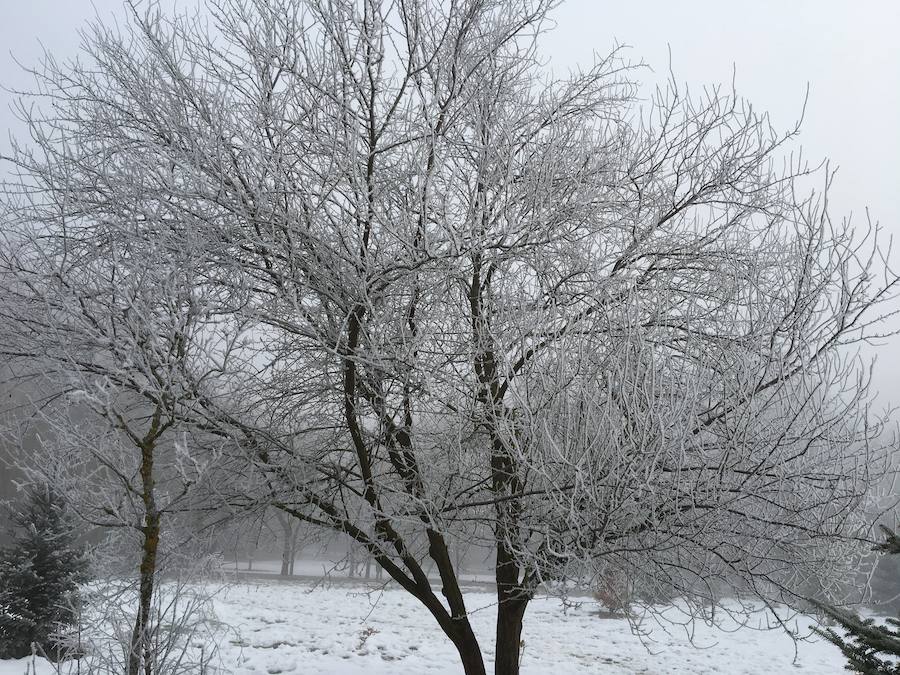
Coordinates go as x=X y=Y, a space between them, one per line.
x=140 y=651
x=140 y=636
x=286 y=553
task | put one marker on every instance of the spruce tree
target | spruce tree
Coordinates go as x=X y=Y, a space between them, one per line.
x=870 y=648
x=40 y=571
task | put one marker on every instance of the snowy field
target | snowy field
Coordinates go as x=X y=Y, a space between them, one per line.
x=347 y=627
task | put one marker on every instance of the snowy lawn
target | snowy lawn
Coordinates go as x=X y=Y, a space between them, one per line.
x=347 y=627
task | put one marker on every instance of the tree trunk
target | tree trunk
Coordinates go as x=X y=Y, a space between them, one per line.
x=513 y=596
x=286 y=553
x=255 y=547
x=140 y=635
x=469 y=652
x=288 y=532
x=509 y=636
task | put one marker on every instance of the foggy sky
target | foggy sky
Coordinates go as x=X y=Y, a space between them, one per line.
x=846 y=51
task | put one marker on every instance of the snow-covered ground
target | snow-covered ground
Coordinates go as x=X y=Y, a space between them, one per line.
x=347 y=627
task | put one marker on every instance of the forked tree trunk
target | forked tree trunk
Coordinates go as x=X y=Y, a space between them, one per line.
x=288 y=549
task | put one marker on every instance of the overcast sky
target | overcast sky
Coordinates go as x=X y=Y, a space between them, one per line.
x=846 y=50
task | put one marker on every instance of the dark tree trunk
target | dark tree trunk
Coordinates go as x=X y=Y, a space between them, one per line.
x=140 y=636
x=469 y=652
x=513 y=596
x=509 y=636
x=507 y=481
x=460 y=632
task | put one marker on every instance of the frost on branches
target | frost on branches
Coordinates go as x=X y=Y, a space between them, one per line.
x=410 y=287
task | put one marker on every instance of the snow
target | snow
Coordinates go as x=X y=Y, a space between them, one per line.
x=348 y=627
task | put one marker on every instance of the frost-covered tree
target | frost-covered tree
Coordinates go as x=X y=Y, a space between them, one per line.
x=436 y=294
x=40 y=573
x=103 y=344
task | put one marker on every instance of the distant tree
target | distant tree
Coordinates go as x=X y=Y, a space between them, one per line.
x=290 y=541
x=870 y=648
x=40 y=571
